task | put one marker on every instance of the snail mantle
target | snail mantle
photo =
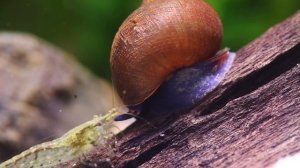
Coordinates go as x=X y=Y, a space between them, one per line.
x=251 y=120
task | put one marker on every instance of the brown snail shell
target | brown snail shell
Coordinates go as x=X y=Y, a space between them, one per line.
x=159 y=38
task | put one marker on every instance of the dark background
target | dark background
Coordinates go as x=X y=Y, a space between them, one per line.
x=86 y=28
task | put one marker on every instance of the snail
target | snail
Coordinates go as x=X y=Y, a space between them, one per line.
x=164 y=57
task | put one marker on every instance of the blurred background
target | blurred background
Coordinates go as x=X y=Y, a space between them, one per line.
x=65 y=94
x=86 y=28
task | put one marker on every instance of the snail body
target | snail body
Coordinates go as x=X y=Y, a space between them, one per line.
x=189 y=85
x=157 y=44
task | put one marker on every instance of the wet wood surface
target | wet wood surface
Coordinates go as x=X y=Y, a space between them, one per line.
x=251 y=120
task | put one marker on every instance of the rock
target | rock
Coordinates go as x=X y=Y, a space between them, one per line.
x=44 y=92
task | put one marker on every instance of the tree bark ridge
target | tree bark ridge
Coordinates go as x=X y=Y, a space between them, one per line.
x=251 y=120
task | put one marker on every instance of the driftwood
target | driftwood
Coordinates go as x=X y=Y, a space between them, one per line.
x=251 y=120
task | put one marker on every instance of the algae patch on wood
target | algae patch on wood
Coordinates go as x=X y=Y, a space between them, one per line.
x=75 y=143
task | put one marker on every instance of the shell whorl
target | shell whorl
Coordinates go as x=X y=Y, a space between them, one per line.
x=159 y=38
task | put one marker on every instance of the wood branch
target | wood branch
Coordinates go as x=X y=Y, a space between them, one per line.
x=251 y=120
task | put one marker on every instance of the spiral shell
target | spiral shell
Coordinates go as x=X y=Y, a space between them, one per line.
x=159 y=38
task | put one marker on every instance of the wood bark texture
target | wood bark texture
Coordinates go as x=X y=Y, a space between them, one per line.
x=251 y=120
